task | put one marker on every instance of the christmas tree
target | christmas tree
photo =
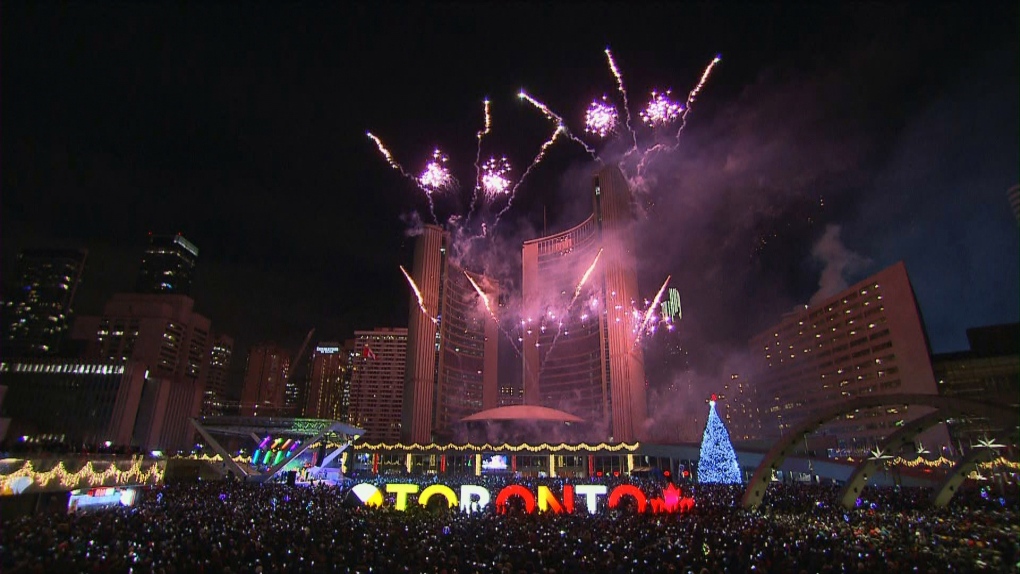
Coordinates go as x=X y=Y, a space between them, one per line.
x=718 y=463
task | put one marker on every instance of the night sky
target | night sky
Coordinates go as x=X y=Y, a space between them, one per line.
x=830 y=142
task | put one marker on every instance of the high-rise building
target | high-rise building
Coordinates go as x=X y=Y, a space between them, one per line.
x=167 y=265
x=38 y=313
x=452 y=354
x=220 y=353
x=580 y=353
x=868 y=339
x=325 y=394
x=377 y=383
x=265 y=380
x=989 y=372
x=173 y=341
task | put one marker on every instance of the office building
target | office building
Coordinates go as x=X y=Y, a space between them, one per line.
x=868 y=339
x=325 y=395
x=76 y=402
x=989 y=371
x=164 y=333
x=167 y=266
x=580 y=353
x=220 y=353
x=452 y=354
x=265 y=381
x=38 y=312
x=377 y=383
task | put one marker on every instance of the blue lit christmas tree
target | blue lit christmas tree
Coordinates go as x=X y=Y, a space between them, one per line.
x=718 y=463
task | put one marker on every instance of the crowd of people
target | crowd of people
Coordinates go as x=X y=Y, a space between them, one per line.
x=232 y=527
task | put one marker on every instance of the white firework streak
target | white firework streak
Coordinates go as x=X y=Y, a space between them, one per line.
x=558 y=120
x=566 y=312
x=534 y=163
x=694 y=94
x=623 y=91
x=488 y=307
x=584 y=278
x=389 y=157
x=393 y=163
x=651 y=310
x=478 y=155
x=417 y=293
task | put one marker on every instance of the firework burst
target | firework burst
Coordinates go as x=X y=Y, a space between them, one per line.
x=601 y=118
x=436 y=176
x=661 y=110
x=494 y=177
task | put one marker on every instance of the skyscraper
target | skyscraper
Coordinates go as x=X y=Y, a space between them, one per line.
x=265 y=380
x=325 y=392
x=868 y=339
x=452 y=355
x=37 y=315
x=220 y=353
x=579 y=351
x=167 y=265
x=377 y=383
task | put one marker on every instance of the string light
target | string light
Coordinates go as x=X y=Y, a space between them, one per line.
x=544 y=447
x=86 y=474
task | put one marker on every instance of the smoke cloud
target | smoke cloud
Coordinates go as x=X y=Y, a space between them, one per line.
x=837 y=260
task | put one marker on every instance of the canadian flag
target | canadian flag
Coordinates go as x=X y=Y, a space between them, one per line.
x=367 y=353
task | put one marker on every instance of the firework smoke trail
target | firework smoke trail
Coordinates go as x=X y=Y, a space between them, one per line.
x=417 y=293
x=478 y=154
x=534 y=163
x=694 y=94
x=488 y=307
x=623 y=91
x=651 y=311
x=562 y=125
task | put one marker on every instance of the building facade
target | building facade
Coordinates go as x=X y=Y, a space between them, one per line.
x=76 y=402
x=38 y=313
x=453 y=344
x=173 y=341
x=990 y=372
x=220 y=353
x=325 y=394
x=265 y=381
x=580 y=352
x=377 y=382
x=168 y=266
x=868 y=339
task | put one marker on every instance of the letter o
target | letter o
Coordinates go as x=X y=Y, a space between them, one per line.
x=445 y=491
x=628 y=490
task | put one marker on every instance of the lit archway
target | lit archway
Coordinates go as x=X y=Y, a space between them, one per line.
x=774 y=459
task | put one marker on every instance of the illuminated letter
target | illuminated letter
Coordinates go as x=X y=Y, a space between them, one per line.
x=368 y=494
x=628 y=490
x=515 y=490
x=401 y=490
x=546 y=500
x=469 y=490
x=590 y=493
x=438 y=489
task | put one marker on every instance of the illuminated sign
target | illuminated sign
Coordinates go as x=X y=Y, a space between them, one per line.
x=327 y=350
x=473 y=497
